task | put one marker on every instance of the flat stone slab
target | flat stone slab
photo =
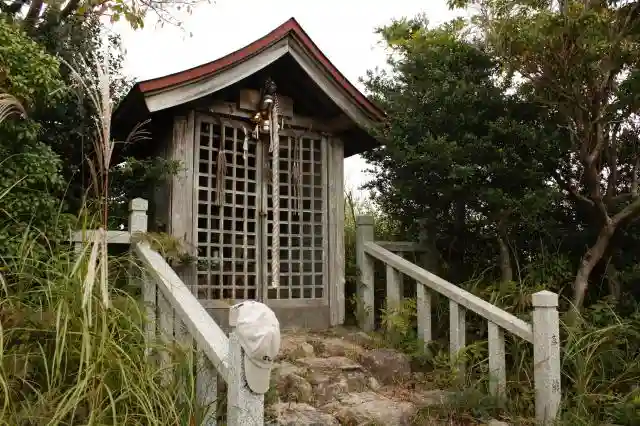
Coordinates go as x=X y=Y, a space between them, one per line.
x=370 y=408
x=292 y=346
x=388 y=365
x=299 y=414
x=335 y=346
x=332 y=363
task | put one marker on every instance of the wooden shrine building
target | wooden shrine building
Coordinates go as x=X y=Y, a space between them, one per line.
x=275 y=114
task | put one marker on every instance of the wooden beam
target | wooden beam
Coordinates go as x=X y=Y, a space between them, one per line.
x=189 y=92
x=249 y=99
x=303 y=123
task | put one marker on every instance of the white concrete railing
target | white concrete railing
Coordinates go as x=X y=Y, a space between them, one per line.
x=543 y=333
x=173 y=314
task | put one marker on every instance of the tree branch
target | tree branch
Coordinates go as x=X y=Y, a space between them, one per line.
x=634 y=178
x=627 y=213
x=612 y=162
x=571 y=190
x=33 y=14
x=70 y=8
x=12 y=8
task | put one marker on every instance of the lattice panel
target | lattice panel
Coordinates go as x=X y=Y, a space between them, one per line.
x=302 y=233
x=227 y=238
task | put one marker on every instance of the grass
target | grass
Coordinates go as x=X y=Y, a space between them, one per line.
x=600 y=371
x=600 y=356
x=67 y=357
x=72 y=338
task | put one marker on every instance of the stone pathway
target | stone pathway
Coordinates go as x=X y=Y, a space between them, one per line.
x=343 y=379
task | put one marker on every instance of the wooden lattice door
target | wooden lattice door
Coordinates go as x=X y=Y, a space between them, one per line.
x=234 y=227
x=303 y=239
x=228 y=238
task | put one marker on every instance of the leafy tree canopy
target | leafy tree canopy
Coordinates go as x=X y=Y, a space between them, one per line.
x=46 y=15
x=30 y=181
x=458 y=151
x=580 y=61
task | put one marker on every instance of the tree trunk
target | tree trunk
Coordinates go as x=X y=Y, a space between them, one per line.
x=430 y=258
x=506 y=271
x=612 y=280
x=588 y=262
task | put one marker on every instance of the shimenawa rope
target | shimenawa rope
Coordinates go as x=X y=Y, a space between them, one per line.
x=274 y=148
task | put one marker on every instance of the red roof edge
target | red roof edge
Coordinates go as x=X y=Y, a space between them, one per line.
x=290 y=26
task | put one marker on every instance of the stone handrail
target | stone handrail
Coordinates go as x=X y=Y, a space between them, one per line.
x=543 y=333
x=174 y=315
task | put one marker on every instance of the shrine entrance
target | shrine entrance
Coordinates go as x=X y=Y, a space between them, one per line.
x=235 y=214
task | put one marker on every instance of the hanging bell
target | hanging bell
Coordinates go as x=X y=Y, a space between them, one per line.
x=267 y=101
x=265 y=126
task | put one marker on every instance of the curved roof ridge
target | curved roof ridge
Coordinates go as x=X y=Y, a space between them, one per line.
x=291 y=26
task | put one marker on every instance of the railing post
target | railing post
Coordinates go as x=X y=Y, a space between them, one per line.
x=254 y=343
x=497 y=361
x=365 y=288
x=394 y=288
x=457 y=336
x=423 y=294
x=138 y=215
x=138 y=223
x=546 y=355
x=206 y=389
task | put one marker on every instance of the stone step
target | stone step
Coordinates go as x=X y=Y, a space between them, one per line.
x=320 y=380
x=327 y=380
x=370 y=408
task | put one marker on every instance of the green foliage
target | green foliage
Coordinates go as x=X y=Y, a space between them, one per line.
x=64 y=362
x=69 y=126
x=51 y=15
x=398 y=323
x=458 y=152
x=30 y=178
x=138 y=178
x=28 y=72
x=600 y=363
x=579 y=64
x=174 y=250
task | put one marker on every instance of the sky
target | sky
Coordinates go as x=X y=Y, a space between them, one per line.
x=342 y=29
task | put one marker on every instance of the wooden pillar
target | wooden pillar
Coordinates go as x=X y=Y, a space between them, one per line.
x=335 y=171
x=138 y=215
x=497 y=361
x=182 y=189
x=423 y=294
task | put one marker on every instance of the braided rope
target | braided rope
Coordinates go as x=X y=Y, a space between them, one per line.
x=274 y=148
x=221 y=171
x=296 y=175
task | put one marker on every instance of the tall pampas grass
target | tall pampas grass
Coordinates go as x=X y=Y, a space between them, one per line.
x=72 y=346
x=10 y=106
